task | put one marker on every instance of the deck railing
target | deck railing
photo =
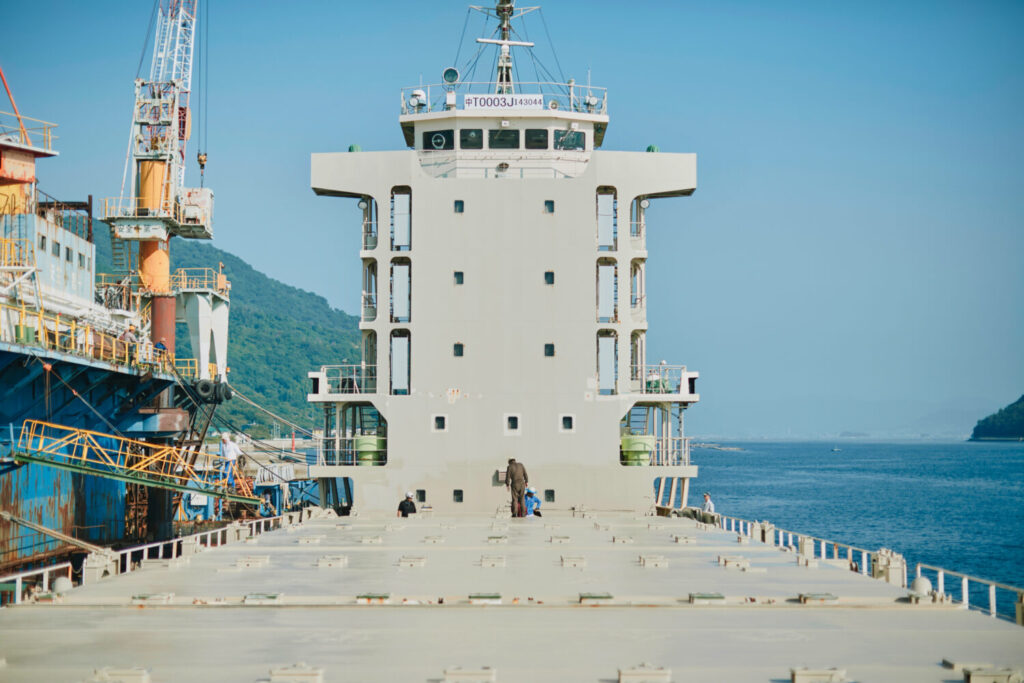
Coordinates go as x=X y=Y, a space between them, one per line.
x=573 y=97
x=16 y=253
x=659 y=379
x=351 y=379
x=54 y=332
x=200 y=278
x=863 y=561
x=23 y=584
x=27 y=131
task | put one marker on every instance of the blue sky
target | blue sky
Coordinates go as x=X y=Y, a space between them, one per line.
x=853 y=259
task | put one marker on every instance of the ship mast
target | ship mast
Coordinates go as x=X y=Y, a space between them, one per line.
x=505 y=11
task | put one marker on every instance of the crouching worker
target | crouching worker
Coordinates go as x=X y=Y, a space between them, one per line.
x=406 y=507
x=532 y=503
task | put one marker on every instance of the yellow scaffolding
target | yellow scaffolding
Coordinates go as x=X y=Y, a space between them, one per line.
x=132 y=461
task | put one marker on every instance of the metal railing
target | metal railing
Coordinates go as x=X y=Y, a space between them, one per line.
x=129 y=559
x=16 y=253
x=965 y=591
x=369 y=313
x=200 y=278
x=63 y=214
x=169 y=209
x=358 y=450
x=659 y=379
x=20 y=325
x=369 y=235
x=637 y=229
x=32 y=578
x=868 y=563
x=351 y=379
x=132 y=461
x=571 y=96
x=28 y=131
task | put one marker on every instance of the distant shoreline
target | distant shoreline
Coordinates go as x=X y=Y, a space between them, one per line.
x=715 y=447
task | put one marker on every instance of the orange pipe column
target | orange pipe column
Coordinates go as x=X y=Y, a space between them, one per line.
x=154 y=255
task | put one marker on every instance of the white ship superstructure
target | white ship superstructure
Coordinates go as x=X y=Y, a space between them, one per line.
x=504 y=305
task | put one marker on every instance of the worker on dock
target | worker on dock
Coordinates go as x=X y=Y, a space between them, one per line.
x=406 y=507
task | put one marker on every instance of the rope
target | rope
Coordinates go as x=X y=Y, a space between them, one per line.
x=149 y=32
x=49 y=370
x=271 y=414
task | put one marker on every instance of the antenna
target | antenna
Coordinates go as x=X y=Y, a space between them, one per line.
x=505 y=11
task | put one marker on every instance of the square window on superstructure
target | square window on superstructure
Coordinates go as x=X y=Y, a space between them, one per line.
x=549 y=495
x=459 y=277
x=549 y=277
x=471 y=138
x=437 y=140
x=512 y=423
x=536 y=138
x=68 y=254
x=568 y=423
x=81 y=260
x=440 y=423
x=457 y=496
x=503 y=139
x=549 y=206
x=421 y=495
x=571 y=140
x=458 y=350
x=55 y=249
x=460 y=206
x=42 y=242
x=549 y=350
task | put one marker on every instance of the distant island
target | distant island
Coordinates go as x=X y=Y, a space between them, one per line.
x=1005 y=425
x=715 y=447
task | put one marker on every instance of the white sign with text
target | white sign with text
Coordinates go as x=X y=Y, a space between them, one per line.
x=504 y=101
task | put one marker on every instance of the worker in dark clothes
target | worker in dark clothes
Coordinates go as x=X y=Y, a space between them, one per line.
x=406 y=507
x=516 y=480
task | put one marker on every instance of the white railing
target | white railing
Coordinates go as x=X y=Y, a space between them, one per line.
x=573 y=97
x=369 y=235
x=369 y=312
x=965 y=590
x=43 y=574
x=864 y=561
x=358 y=450
x=351 y=379
x=659 y=379
x=129 y=559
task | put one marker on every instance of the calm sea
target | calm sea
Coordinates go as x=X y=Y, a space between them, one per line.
x=959 y=506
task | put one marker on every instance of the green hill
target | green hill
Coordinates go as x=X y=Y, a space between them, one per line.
x=277 y=334
x=1008 y=423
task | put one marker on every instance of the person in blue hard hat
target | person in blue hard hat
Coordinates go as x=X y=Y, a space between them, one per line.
x=532 y=503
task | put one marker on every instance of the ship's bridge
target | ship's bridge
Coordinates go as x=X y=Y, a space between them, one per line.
x=468 y=130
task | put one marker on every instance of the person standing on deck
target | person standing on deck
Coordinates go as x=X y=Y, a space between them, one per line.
x=406 y=507
x=516 y=480
x=229 y=450
x=709 y=505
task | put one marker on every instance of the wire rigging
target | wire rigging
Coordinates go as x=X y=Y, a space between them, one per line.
x=149 y=32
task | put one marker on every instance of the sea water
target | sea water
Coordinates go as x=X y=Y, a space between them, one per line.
x=959 y=506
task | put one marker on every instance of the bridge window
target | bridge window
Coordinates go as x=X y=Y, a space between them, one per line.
x=568 y=423
x=471 y=138
x=570 y=139
x=55 y=249
x=536 y=138
x=503 y=139
x=549 y=206
x=440 y=423
x=511 y=424
x=438 y=140
x=549 y=350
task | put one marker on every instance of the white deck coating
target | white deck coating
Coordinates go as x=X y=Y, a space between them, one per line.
x=547 y=636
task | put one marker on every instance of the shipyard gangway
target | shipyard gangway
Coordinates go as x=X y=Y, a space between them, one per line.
x=132 y=461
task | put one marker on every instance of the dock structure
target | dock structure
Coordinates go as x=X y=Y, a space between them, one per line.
x=379 y=598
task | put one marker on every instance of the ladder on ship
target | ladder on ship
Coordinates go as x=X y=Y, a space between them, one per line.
x=131 y=461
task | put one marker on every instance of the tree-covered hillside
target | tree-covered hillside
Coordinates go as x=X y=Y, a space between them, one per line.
x=1008 y=423
x=277 y=334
